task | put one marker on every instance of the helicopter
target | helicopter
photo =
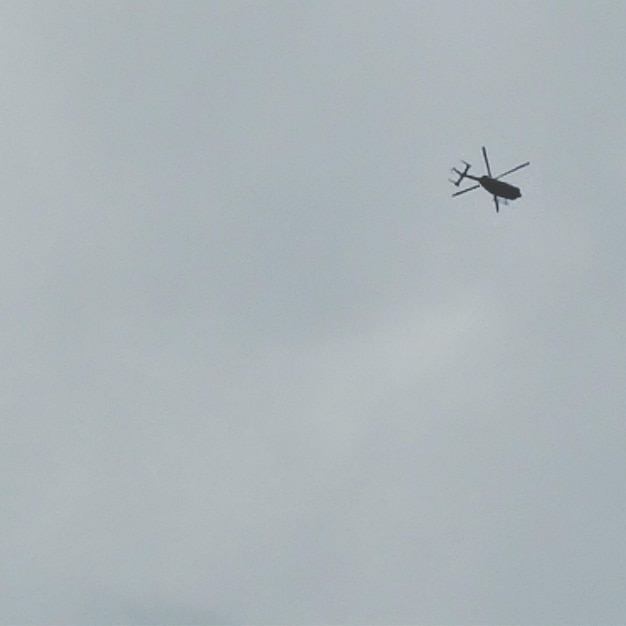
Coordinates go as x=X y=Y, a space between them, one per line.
x=493 y=184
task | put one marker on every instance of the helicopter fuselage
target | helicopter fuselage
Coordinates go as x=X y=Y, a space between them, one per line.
x=497 y=187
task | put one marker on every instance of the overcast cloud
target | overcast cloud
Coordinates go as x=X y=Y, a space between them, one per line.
x=258 y=366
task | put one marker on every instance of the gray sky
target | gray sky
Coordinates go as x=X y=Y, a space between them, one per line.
x=258 y=366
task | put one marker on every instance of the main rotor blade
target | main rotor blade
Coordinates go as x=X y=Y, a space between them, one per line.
x=487 y=162
x=458 y=193
x=519 y=167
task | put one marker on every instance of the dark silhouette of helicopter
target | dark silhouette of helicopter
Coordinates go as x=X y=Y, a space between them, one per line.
x=493 y=184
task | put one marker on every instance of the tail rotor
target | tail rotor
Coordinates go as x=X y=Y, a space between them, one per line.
x=461 y=175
